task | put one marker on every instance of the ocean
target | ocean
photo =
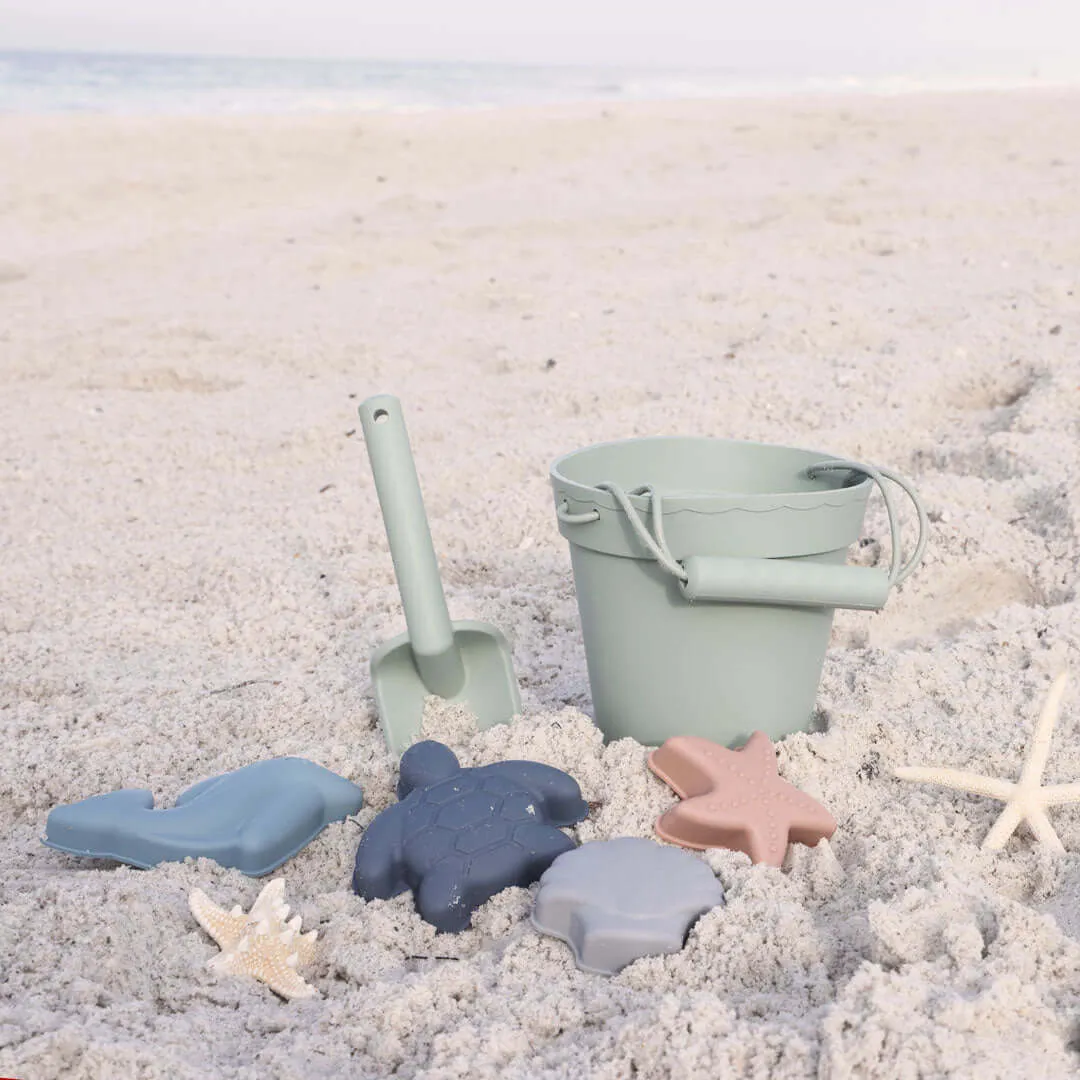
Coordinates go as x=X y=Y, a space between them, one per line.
x=52 y=82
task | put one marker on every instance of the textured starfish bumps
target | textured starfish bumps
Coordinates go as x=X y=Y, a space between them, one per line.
x=1025 y=800
x=259 y=943
x=735 y=799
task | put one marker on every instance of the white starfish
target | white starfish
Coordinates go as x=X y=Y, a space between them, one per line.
x=259 y=943
x=1026 y=800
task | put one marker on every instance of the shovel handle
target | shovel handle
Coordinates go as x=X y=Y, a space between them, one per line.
x=431 y=634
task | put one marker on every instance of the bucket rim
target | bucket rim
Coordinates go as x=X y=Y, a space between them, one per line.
x=708 y=499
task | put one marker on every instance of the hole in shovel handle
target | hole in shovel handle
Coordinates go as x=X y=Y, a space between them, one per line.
x=381 y=416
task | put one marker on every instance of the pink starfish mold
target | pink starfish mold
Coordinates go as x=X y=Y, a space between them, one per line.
x=735 y=799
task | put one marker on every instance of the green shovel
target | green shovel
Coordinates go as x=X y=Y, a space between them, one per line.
x=466 y=662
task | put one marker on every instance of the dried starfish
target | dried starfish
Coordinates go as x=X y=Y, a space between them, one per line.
x=260 y=942
x=1025 y=800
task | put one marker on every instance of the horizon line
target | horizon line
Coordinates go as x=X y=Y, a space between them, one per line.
x=340 y=59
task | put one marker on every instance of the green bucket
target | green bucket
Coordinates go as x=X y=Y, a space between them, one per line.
x=707 y=574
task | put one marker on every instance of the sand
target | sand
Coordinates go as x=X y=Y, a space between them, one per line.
x=194 y=570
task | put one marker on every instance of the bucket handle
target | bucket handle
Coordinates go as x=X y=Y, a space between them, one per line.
x=656 y=544
x=879 y=474
x=563 y=511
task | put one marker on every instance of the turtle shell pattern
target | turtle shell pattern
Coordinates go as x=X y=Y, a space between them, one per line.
x=459 y=840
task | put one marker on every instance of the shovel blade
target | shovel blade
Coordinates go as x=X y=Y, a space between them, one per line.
x=490 y=690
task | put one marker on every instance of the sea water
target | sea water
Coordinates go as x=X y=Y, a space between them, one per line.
x=34 y=82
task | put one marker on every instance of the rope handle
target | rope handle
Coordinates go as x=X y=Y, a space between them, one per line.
x=563 y=511
x=656 y=544
x=657 y=547
x=879 y=474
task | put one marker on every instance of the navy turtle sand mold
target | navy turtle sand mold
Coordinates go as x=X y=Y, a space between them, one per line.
x=459 y=836
x=252 y=819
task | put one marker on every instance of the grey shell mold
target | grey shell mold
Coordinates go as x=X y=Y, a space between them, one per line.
x=614 y=901
x=459 y=836
x=252 y=819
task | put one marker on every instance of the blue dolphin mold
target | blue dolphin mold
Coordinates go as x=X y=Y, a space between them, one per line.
x=252 y=819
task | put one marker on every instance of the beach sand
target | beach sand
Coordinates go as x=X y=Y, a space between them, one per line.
x=194 y=570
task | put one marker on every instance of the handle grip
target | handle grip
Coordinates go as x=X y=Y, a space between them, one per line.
x=431 y=634
x=789 y=582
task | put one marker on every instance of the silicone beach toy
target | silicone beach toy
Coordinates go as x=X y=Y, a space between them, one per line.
x=735 y=799
x=252 y=819
x=465 y=662
x=459 y=836
x=707 y=574
x=613 y=901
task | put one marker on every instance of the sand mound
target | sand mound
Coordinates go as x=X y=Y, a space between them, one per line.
x=194 y=571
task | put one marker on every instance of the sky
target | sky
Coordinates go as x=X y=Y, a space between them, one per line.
x=805 y=35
